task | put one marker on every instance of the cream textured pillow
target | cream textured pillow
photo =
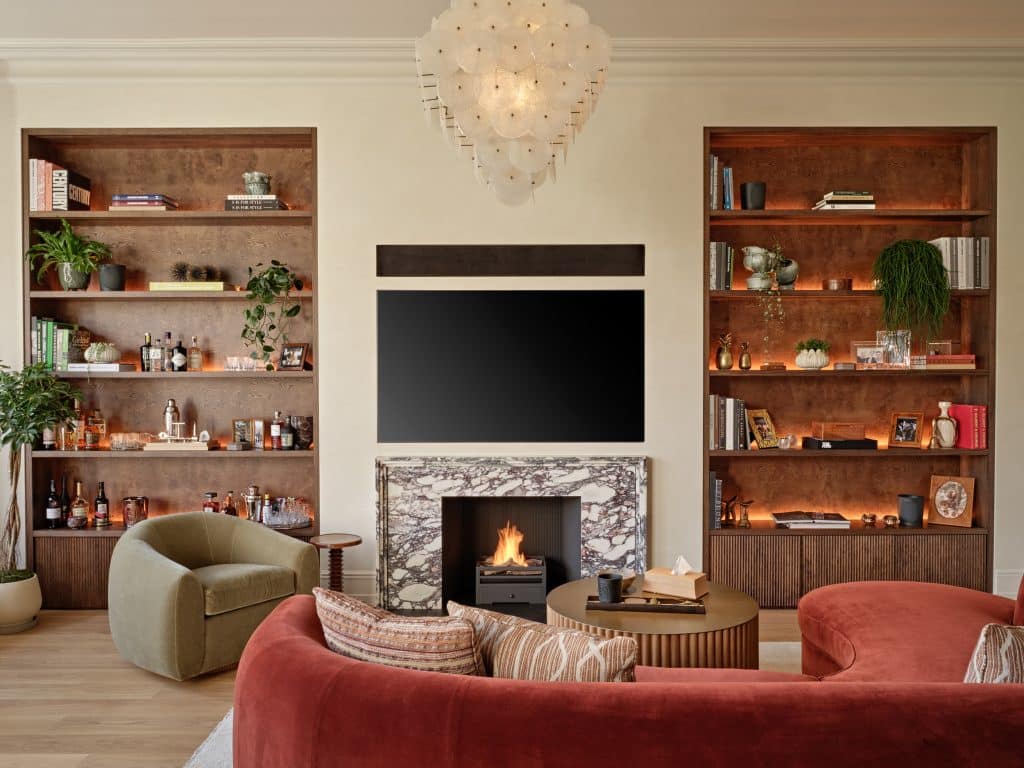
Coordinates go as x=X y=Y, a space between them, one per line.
x=491 y=628
x=429 y=644
x=557 y=654
x=998 y=657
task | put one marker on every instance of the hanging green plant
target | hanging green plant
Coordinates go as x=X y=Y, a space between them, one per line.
x=914 y=285
x=272 y=309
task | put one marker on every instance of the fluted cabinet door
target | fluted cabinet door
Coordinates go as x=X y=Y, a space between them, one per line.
x=837 y=559
x=765 y=567
x=73 y=570
x=958 y=560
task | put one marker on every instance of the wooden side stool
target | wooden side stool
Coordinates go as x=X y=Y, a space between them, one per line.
x=335 y=544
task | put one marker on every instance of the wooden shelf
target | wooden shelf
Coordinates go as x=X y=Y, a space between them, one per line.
x=116 y=532
x=840 y=218
x=857 y=528
x=151 y=295
x=797 y=373
x=204 y=375
x=155 y=455
x=777 y=454
x=176 y=217
x=865 y=293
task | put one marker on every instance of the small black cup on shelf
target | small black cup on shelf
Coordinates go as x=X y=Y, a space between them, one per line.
x=911 y=509
x=112 y=277
x=752 y=194
x=609 y=587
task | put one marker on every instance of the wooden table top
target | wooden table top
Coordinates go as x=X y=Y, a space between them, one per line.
x=726 y=607
x=336 y=540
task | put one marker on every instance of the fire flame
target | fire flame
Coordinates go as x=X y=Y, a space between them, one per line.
x=508 y=552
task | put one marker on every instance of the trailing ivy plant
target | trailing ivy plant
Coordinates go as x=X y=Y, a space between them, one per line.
x=65 y=247
x=31 y=400
x=914 y=285
x=271 y=309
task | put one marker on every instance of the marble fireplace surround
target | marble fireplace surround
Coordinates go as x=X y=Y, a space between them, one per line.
x=410 y=491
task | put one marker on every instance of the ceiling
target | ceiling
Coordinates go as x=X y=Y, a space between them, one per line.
x=755 y=19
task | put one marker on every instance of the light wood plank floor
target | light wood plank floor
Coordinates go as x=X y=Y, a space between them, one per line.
x=67 y=700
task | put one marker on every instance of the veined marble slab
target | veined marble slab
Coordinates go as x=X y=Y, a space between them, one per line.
x=613 y=512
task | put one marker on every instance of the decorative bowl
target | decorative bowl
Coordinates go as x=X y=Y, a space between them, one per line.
x=837 y=284
x=102 y=352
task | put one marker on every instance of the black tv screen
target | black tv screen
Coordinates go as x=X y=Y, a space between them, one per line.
x=510 y=366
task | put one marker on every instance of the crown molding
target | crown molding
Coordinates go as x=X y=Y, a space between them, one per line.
x=348 y=59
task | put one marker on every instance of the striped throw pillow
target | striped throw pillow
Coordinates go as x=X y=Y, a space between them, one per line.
x=491 y=628
x=998 y=657
x=564 y=655
x=429 y=644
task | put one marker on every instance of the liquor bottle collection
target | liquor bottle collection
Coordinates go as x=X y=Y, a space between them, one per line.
x=166 y=356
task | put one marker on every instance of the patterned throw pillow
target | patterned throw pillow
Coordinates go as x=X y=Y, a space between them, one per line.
x=564 y=655
x=491 y=628
x=429 y=644
x=998 y=657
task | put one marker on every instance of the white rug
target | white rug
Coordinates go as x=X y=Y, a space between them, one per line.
x=215 y=752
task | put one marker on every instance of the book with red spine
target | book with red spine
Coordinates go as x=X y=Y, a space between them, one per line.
x=972 y=426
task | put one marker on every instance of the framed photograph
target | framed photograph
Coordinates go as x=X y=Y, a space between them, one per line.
x=867 y=354
x=241 y=431
x=258 y=434
x=762 y=429
x=896 y=347
x=905 y=430
x=951 y=501
x=293 y=357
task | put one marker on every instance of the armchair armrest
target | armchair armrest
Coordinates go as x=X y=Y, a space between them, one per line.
x=255 y=543
x=155 y=610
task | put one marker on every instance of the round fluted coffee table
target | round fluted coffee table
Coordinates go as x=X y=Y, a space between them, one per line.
x=724 y=637
x=335 y=544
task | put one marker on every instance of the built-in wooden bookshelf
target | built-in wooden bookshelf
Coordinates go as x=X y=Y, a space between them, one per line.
x=928 y=183
x=198 y=167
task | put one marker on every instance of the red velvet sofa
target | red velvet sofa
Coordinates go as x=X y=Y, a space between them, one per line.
x=297 y=704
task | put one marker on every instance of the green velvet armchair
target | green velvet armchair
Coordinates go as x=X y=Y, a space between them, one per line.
x=187 y=590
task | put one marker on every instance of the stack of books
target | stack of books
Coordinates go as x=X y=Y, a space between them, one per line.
x=846 y=200
x=253 y=203
x=721 y=259
x=966 y=260
x=721 y=186
x=145 y=201
x=972 y=426
x=51 y=342
x=944 y=362
x=715 y=501
x=727 y=417
x=54 y=188
x=810 y=520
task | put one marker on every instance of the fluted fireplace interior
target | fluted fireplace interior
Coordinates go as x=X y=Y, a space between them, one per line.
x=471 y=528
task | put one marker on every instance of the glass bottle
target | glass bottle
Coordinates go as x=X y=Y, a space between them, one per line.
x=210 y=503
x=146 y=354
x=79 y=517
x=53 y=513
x=179 y=358
x=168 y=350
x=79 y=426
x=171 y=416
x=266 y=509
x=275 y=432
x=195 y=356
x=156 y=356
x=287 y=434
x=95 y=430
x=228 y=507
x=101 y=508
x=65 y=500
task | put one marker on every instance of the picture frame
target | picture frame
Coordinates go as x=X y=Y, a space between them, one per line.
x=759 y=422
x=906 y=429
x=896 y=348
x=293 y=357
x=242 y=431
x=867 y=354
x=951 y=501
x=258 y=434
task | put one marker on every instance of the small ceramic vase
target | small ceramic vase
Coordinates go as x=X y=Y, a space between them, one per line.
x=745 y=362
x=812 y=359
x=944 y=426
x=786 y=272
x=256 y=182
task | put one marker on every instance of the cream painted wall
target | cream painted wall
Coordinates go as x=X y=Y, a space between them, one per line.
x=635 y=176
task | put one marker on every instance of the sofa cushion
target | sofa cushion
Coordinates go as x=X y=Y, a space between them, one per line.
x=239 y=585
x=895 y=631
x=564 y=655
x=998 y=657
x=491 y=627
x=1018 y=613
x=429 y=644
x=688 y=675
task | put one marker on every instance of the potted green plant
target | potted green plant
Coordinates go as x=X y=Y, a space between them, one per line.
x=812 y=354
x=75 y=258
x=914 y=285
x=272 y=309
x=31 y=400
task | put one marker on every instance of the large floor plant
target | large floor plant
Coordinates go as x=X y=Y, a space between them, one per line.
x=915 y=287
x=31 y=400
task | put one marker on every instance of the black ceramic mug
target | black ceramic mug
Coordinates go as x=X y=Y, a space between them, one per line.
x=609 y=587
x=911 y=509
x=112 y=277
x=752 y=195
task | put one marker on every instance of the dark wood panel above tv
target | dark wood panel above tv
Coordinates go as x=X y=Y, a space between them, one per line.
x=510 y=260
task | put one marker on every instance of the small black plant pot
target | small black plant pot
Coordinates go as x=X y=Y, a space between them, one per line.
x=112 y=277
x=752 y=194
x=911 y=509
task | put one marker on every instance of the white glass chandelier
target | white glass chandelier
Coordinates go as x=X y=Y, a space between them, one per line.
x=511 y=83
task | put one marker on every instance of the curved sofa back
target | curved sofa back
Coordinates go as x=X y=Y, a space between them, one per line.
x=299 y=704
x=191 y=539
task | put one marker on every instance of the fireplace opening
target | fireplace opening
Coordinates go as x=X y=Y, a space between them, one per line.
x=507 y=553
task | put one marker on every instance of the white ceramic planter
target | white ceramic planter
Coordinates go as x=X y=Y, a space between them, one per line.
x=812 y=359
x=20 y=602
